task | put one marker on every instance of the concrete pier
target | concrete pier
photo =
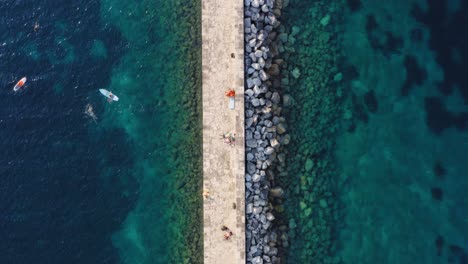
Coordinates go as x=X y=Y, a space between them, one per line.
x=223 y=165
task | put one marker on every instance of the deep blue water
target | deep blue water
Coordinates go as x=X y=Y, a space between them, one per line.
x=55 y=204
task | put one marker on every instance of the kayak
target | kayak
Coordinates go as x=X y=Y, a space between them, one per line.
x=109 y=95
x=19 y=84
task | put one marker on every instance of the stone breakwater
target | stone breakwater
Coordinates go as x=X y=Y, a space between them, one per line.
x=265 y=129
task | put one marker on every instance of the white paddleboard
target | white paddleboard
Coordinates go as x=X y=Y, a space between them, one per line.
x=19 y=84
x=232 y=102
x=109 y=94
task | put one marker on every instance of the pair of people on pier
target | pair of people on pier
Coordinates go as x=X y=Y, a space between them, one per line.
x=229 y=138
x=227 y=232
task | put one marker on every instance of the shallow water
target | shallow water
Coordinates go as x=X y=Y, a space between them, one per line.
x=112 y=191
x=405 y=161
x=377 y=172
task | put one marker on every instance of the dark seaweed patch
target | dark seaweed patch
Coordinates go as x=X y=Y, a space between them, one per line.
x=416 y=35
x=439 y=170
x=447 y=32
x=439 y=243
x=457 y=255
x=383 y=41
x=415 y=75
x=354 y=5
x=361 y=113
x=371 y=101
x=438 y=118
x=437 y=194
x=392 y=43
x=371 y=23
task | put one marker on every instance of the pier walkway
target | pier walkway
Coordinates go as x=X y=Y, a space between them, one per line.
x=223 y=165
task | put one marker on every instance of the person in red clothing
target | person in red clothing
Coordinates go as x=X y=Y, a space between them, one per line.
x=230 y=93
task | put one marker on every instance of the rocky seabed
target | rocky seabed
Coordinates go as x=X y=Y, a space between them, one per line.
x=265 y=129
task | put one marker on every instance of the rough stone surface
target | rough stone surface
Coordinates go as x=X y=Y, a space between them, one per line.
x=221 y=32
x=264 y=39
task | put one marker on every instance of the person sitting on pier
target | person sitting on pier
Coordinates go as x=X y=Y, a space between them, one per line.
x=230 y=93
x=228 y=235
x=206 y=193
x=229 y=138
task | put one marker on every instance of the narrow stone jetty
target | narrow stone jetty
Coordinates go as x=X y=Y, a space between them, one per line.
x=223 y=165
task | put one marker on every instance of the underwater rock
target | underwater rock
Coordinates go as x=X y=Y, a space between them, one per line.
x=276 y=192
x=338 y=77
x=281 y=128
x=295 y=30
x=287 y=100
x=325 y=20
x=281 y=157
x=285 y=139
x=296 y=73
x=274 y=70
x=283 y=37
x=323 y=203
x=309 y=165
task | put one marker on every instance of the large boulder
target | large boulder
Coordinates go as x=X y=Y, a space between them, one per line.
x=275 y=98
x=263 y=75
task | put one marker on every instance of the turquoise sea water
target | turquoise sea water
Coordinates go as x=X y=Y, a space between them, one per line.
x=160 y=75
x=124 y=188
x=377 y=171
x=405 y=162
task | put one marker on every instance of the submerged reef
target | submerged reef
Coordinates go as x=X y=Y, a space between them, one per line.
x=166 y=225
x=311 y=84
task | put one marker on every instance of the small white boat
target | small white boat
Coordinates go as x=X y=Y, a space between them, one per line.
x=109 y=95
x=19 y=84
